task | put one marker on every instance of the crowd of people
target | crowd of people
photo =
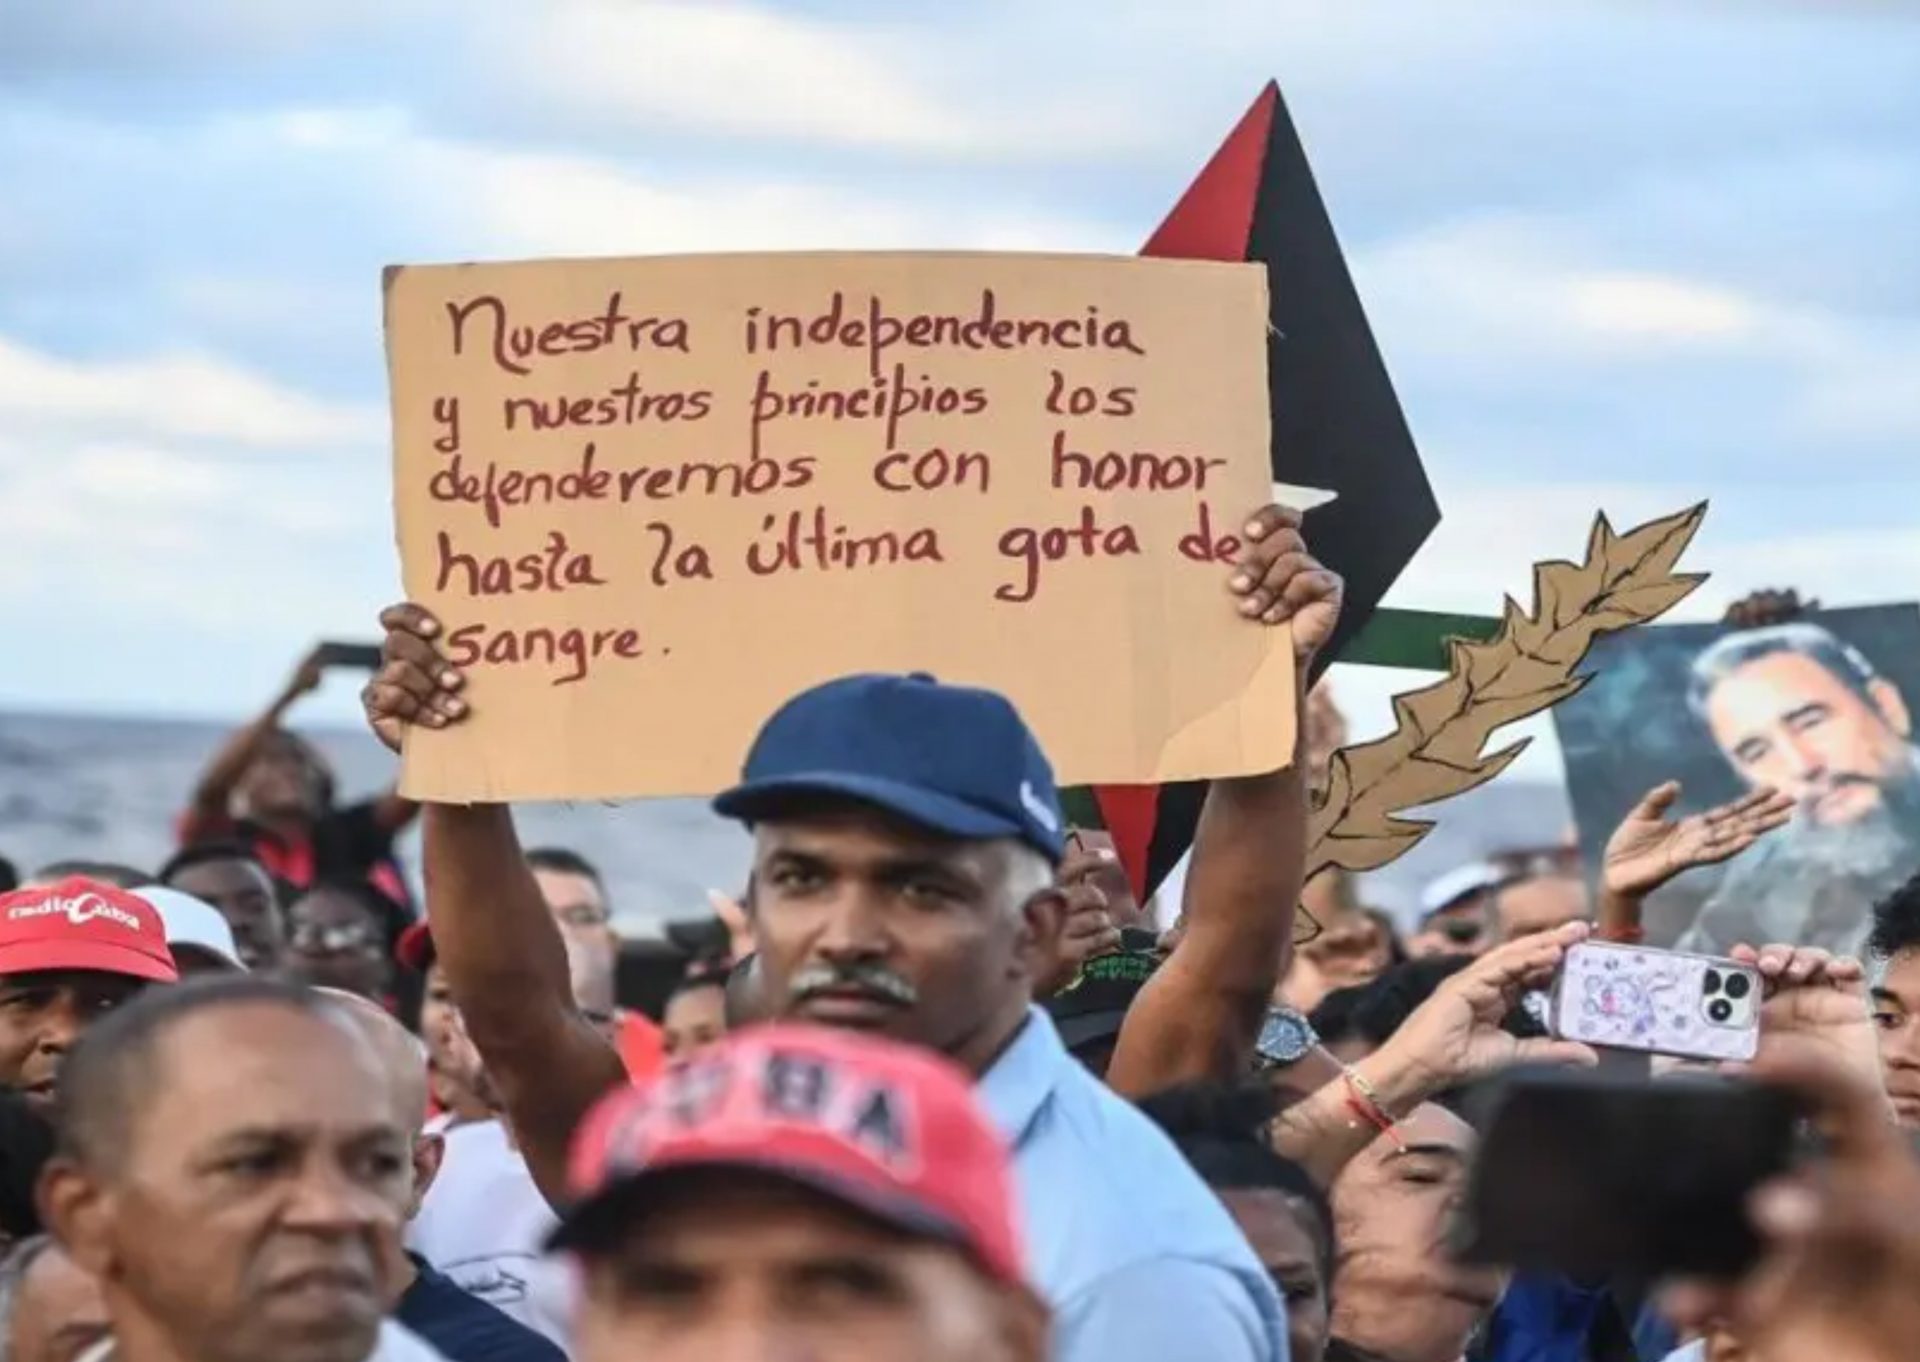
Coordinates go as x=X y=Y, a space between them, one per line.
x=945 y=1092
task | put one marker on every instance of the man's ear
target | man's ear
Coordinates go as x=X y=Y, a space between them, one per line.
x=1892 y=705
x=429 y=1151
x=78 y=1212
x=1043 y=917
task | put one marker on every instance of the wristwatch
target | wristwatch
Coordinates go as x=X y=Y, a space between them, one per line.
x=1285 y=1036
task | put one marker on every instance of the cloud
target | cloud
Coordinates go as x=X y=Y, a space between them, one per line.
x=724 y=68
x=1652 y=308
x=1593 y=288
x=133 y=37
x=171 y=395
x=543 y=204
x=1528 y=340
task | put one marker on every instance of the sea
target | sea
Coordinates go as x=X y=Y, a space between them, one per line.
x=111 y=788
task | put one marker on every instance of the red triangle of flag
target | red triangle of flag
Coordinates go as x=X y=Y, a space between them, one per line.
x=1212 y=221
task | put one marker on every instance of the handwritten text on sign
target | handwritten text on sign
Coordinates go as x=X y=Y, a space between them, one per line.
x=649 y=500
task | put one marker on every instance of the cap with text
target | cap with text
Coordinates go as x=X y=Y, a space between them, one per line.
x=80 y=924
x=889 y=1130
x=956 y=760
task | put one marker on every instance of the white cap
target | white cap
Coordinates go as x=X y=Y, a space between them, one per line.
x=1443 y=891
x=194 y=923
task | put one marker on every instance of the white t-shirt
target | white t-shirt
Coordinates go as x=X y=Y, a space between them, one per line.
x=484 y=1223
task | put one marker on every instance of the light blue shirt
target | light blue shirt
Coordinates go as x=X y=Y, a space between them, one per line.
x=1137 y=1257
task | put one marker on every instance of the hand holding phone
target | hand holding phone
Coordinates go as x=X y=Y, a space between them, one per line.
x=1662 y=1002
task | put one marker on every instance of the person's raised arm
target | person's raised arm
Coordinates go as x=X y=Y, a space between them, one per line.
x=1649 y=848
x=393 y=811
x=496 y=941
x=207 y=808
x=1198 y=1017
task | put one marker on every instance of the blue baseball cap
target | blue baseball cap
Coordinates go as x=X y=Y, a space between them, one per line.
x=951 y=759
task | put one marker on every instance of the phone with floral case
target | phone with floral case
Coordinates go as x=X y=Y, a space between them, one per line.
x=1663 y=1002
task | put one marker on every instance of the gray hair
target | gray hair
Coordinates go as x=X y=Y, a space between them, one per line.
x=1725 y=656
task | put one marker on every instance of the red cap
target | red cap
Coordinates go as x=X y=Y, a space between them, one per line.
x=890 y=1130
x=83 y=924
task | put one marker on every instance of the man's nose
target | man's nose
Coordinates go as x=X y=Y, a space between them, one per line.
x=60 y=1024
x=1807 y=761
x=758 y=1336
x=327 y=1199
x=855 y=927
x=1902 y=1050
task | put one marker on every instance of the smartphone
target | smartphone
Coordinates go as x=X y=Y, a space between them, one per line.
x=1597 y=1176
x=350 y=656
x=1663 y=1002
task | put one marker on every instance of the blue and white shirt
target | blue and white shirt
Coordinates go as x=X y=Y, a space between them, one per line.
x=1136 y=1255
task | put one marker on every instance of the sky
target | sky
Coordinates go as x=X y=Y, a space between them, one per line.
x=1621 y=255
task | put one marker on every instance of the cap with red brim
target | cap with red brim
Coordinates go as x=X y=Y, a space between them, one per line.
x=886 y=1130
x=80 y=924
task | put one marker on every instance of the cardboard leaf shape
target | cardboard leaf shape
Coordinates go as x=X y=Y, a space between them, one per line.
x=1435 y=752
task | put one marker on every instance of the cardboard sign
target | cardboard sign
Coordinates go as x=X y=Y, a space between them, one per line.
x=650 y=500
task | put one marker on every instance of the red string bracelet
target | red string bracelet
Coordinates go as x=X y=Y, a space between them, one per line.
x=1364 y=1102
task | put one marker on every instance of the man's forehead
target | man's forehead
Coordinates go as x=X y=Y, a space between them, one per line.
x=570 y=885
x=1541 y=889
x=227 y=869
x=1430 y=1131
x=1900 y=977
x=856 y=831
x=1776 y=681
x=79 y=980
x=240 y=1052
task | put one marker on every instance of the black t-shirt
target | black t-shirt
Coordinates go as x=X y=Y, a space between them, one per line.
x=465 y=1328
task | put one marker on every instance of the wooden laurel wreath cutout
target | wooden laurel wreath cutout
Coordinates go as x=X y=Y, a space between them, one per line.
x=1525 y=669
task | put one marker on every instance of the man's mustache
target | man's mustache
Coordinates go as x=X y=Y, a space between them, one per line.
x=876 y=981
x=1835 y=781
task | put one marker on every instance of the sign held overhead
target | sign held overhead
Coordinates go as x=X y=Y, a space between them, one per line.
x=651 y=499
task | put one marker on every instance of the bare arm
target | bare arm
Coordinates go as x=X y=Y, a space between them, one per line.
x=1323 y=1133
x=1199 y=1015
x=392 y=812
x=507 y=968
x=1451 y=1038
x=213 y=791
x=501 y=949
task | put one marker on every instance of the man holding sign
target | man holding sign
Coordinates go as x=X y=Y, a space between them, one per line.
x=906 y=837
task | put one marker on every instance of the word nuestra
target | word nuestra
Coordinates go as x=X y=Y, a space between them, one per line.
x=483 y=324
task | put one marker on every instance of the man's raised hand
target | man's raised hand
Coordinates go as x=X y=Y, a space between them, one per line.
x=414 y=685
x=1817 y=998
x=1277 y=580
x=1455 y=1035
x=1648 y=848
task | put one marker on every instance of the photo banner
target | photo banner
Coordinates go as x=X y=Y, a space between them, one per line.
x=650 y=500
